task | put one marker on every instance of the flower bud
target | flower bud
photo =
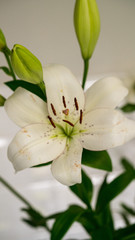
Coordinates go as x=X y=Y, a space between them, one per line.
x=2 y=40
x=26 y=65
x=2 y=100
x=87 y=26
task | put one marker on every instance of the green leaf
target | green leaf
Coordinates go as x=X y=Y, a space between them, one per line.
x=128 y=209
x=42 y=165
x=6 y=70
x=125 y=218
x=87 y=220
x=127 y=165
x=127 y=233
x=110 y=190
x=2 y=100
x=84 y=190
x=128 y=108
x=104 y=233
x=35 y=218
x=100 y=160
x=64 y=221
x=34 y=88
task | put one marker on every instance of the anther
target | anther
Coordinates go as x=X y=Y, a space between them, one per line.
x=64 y=101
x=76 y=104
x=53 y=109
x=51 y=121
x=71 y=124
x=66 y=111
x=81 y=116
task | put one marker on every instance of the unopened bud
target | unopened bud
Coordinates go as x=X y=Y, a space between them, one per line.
x=87 y=26
x=2 y=41
x=26 y=65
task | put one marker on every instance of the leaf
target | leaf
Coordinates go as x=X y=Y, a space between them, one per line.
x=126 y=164
x=128 y=209
x=127 y=233
x=64 y=221
x=110 y=190
x=100 y=160
x=34 y=88
x=125 y=218
x=43 y=164
x=2 y=101
x=6 y=70
x=104 y=233
x=35 y=218
x=87 y=220
x=128 y=108
x=84 y=190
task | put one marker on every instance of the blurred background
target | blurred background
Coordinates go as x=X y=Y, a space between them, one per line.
x=46 y=28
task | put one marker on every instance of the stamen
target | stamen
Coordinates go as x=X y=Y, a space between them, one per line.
x=71 y=124
x=51 y=121
x=66 y=111
x=76 y=104
x=81 y=116
x=64 y=101
x=53 y=109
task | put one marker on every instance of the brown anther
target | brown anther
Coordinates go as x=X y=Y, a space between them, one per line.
x=71 y=124
x=66 y=111
x=64 y=101
x=81 y=116
x=53 y=109
x=76 y=104
x=51 y=121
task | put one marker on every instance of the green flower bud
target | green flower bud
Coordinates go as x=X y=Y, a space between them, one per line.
x=87 y=26
x=26 y=65
x=2 y=40
x=2 y=100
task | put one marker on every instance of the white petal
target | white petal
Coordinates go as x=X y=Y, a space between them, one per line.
x=105 y=93
x=106 y=129
x=24 y=108
x=67 y=168
x=60 y=82
x=35 y=144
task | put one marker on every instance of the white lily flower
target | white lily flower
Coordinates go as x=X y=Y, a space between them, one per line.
x=69 y=122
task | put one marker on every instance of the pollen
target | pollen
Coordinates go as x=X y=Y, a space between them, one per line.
x=53 y=109
x=64 y=101
x=76 y=104
x=81 y=116
x=71 y=124
x=51 y=121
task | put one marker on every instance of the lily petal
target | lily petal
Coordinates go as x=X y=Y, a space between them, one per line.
x=106 y=129
x=105 y=93
x=62 y=88
x=35 y=144
x=24 y=108
x=67 y=168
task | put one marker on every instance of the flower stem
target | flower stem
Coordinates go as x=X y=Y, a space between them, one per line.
x=85 y=72
x=11 y=189
x=9 y=64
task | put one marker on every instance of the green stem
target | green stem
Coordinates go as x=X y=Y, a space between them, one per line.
x=11 y=189
x=85 y=72
x=9 y=64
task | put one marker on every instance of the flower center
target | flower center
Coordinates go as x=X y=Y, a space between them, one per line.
x=67 y=129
